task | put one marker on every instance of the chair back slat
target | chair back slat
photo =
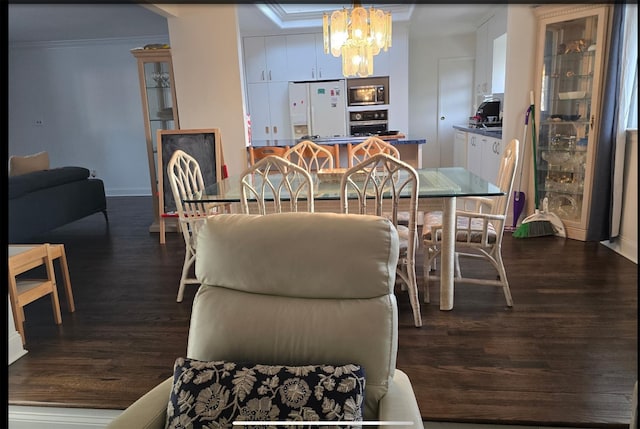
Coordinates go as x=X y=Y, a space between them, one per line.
x=276 y=193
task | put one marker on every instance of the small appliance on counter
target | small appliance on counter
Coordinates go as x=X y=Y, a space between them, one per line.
x=487 y=115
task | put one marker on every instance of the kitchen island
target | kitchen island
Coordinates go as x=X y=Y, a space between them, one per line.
x=410 y=148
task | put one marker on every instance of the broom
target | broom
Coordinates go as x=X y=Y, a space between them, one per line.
x=519 y=196
x=539 y=224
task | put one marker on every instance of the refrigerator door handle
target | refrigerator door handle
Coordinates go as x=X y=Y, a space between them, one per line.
x=312 y=119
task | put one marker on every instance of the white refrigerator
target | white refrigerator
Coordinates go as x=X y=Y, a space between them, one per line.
x=318 y=108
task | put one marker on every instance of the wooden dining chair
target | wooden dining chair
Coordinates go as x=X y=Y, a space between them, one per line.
x=258 y=153
x=186 y=182
x=375 y=186
x=371 y=146
x=24 y=291
x=479 y=229
x=276 y=185
x=311 y=156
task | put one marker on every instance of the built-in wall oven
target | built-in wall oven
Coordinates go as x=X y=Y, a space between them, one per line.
x=368 y=91
x=368 y=122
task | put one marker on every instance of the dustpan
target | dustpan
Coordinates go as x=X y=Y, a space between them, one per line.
x=546 y=216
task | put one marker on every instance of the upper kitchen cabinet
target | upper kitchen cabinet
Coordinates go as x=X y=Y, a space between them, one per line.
x=482 y=72
x=301 y=55
x=328 y=66
x=307 y=60
x=265 y=59
x=570 y=64
x=486 y=35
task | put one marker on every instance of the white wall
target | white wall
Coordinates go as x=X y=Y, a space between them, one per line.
x=519 y=82
x=87 y=96
x=206 y=55
x=423 y=84
x=627 y=242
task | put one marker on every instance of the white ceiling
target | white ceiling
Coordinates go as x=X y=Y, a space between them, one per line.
x=55 y=22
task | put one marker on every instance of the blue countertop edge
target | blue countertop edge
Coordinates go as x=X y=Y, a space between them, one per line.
x=481 y=131
x=333 y=140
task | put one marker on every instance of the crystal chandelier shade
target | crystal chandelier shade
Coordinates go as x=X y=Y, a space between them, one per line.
x=357 y=37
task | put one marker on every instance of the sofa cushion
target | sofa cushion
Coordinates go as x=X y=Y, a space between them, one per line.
x=25 y=183
x=223 y=391
x=26 y=164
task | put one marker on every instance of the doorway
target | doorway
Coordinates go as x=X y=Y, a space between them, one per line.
x=455 y=100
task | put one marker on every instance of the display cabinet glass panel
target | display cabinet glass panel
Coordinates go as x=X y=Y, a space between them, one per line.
x=570 y=68
x=160 y=112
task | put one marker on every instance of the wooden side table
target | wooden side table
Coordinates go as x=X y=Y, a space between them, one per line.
x=24 y=257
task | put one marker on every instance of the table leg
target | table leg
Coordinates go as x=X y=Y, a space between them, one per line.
x=448 y=253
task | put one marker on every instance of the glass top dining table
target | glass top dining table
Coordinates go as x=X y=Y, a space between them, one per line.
x=438 y=190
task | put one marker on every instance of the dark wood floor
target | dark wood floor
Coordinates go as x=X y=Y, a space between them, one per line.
x=565 y=355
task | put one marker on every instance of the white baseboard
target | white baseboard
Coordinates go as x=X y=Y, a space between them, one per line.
x=625 y=247
x=59 y=418
x=16 y=350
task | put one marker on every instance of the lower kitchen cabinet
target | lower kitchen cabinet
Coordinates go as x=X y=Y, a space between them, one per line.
x=269 y=110
x=483 y=156
x=460 y=149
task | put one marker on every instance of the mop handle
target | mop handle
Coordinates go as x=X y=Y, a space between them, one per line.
x=524 y=143
x=534 y=155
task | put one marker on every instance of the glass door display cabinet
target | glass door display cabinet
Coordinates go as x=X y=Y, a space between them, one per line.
x=571 y=53
x=159 y=110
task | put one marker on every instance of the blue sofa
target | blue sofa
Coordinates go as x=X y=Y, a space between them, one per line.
x=40 y=201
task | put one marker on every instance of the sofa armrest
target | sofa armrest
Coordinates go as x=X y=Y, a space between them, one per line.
x=399 y=404
x=148 y=412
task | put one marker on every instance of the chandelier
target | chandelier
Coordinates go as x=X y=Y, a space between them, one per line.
x=357 y=36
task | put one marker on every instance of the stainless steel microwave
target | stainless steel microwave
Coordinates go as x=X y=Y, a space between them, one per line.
x=368 y=91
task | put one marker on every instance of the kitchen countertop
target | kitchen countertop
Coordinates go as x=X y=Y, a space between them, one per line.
x=338 y=140
x=495 y=132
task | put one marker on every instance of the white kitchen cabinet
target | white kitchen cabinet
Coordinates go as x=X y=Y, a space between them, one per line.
x=307 y=60
x=265 y=59
x=327 y=66
x=301 y=55
x=483 y=57
x=269 y=110
x=460 y=149
x=474 y=154
x=491 y=154
x=483 y=156
x=487 y=34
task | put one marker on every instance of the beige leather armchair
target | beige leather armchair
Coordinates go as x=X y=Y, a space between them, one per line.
x=296 y=289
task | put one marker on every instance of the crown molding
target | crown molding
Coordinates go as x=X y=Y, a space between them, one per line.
x=140 y=40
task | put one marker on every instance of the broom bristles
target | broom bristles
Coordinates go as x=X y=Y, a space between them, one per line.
x=539 y=228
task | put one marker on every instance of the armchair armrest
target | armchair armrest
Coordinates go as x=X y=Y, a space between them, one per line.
x=399 y=404
x=148 y=412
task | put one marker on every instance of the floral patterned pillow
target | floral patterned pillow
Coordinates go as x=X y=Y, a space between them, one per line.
x=214 y=394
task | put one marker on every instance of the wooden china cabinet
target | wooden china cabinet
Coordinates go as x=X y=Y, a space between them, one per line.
x=160 y=112
x=571 y=55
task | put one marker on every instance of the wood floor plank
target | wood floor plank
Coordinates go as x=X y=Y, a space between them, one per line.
x=564 y=355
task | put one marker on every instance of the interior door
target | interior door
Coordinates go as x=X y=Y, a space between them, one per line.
x=455 y=98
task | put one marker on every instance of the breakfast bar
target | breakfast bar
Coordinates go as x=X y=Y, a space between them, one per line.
x=410 y=147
